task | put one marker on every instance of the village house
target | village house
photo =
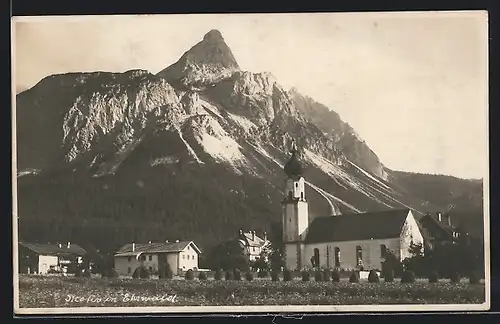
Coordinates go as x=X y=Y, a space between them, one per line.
x=180 y=255
x=348 y=242
x=253 y=245
x=38 y=258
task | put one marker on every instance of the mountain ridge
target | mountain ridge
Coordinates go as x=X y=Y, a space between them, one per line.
x=148 y=137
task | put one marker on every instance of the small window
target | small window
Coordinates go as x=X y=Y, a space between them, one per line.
x=302 y=195
x=189 y=248
x=129 y=270
x=150 y=258
x=296 y=185
x=253 y=249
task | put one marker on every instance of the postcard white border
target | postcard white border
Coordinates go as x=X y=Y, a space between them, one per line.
x=244 y=309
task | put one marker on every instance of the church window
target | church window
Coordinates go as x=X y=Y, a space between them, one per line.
x=359 y=255
x=315 y=259
x=337 y=257
x=383 y=250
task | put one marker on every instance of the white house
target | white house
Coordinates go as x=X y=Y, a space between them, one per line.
x=349 y=242
x=181 y=256
x=44 y=258
x=252 y=244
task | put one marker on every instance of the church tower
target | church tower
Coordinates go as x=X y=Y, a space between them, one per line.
x=295 y=213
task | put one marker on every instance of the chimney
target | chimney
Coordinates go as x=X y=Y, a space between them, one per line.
x=265 y=236
x=69 y=245
x=439 y=215
x=448 y=219
x=166 y=241
x=60 y=245
x=149 y=242
x=133 y=247
x=241 y=232
x=253 y=235
x=176 y=241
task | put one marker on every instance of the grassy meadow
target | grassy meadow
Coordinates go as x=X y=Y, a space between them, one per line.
x=56 y=291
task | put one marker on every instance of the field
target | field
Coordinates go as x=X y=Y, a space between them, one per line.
x=38 y=292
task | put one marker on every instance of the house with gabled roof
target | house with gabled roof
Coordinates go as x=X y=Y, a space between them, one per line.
x=350 y=242
x=180 y=255
x=43 y=258
x=252 y=244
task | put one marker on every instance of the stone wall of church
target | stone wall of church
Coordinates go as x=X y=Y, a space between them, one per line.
x=371 y=253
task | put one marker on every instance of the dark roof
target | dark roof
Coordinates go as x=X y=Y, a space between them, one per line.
x=257 y=241
x=351 y=227
x=54 y=249
x=293 y=168
x=164 y=247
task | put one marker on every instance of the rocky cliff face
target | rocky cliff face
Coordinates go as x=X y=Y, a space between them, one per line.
x=136 y=148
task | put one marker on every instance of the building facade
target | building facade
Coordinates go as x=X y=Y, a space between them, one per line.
x=348 y=242
x=35 y=258
x=253 y=246
x=179 y=255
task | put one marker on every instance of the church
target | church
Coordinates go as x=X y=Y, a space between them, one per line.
x=345 y=242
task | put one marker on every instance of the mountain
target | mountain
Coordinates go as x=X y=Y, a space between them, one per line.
x=195 y=151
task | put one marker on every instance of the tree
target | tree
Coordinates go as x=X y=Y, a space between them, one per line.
x=228 y=256
x=277 y=248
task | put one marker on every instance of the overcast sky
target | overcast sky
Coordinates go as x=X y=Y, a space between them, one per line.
x=413 y=85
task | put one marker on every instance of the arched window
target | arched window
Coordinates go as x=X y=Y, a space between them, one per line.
x=383 y=250
x=316 y=258
x=359 y=255
x=337 y=257
x=296 y=185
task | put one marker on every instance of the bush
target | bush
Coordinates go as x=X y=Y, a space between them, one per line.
x=237 y=274
x=473 y=278
x=275 y=276
x=306 y=276
x=202 y=276
x=110 y=273
x=455 y=277
x=408 y=276
x=262 y=274
x=229 y=275
x=249 y=276
x=433 y=277
x=318 y=276
x=287 y=275
x=189 y=275
x=335 y=276
x=327 y=275
x=218 y=274
x=388 y=275
x=354 y=278
x=373 y=277
x=140 y=272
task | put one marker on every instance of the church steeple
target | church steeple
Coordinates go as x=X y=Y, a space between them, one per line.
x=293 y=167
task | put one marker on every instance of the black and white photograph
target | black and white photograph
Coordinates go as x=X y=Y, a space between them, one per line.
x=284 y=162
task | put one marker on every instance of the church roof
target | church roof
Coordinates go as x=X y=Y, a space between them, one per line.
x=354 y=227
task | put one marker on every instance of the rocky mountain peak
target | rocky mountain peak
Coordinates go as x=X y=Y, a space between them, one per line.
x=204 y=64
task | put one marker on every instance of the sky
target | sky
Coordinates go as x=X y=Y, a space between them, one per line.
x=413 y=85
